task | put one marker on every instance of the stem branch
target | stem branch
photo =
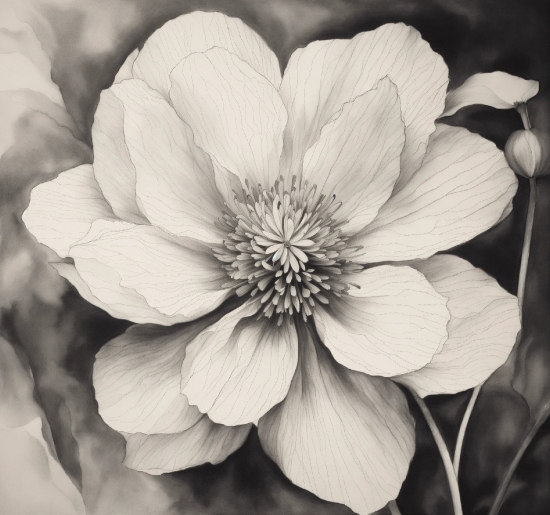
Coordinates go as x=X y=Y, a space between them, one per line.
x=394 y=509
x=499 y=499
x=524 y=113
x=527 y=242
x=463 y=425
x=444 y=452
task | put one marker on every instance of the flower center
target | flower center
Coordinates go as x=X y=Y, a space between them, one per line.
x=285 y=248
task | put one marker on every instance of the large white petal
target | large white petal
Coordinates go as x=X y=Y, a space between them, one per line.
x=326 y=74
x=235 y=113
x=109 y=295
x=62 y=211
x=482 y=330
x=496 y=89
x=392 y=322
x=461 y=190
x=342 y=435
x=175 y=276
x=199 y=32
x=357 y=156
x=113 y=166
x=204 y=442
x=125 y=71
x=137 y=380
x=237 y=369
x=175 y=185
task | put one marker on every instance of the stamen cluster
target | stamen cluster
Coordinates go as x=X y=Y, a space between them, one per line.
x=285 y=248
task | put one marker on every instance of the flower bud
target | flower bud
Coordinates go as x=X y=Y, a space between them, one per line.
x=528 y=153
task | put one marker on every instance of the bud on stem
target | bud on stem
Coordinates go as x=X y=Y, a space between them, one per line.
x=528 y=151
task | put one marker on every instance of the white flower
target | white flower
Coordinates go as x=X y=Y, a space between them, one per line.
x=250 y=203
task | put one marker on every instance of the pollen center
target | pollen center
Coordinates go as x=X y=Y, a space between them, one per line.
x=285 y=248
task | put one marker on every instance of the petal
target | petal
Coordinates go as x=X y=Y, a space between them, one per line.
x=109 y=295
x=113 y=167
x=482 y=330
x=239 y=368
x=342 y=435
x=199 y=32
x=17 y=71
x=125 y=71
x=497 y=89
x=235 y=113
x=320 y=78
x=137 y=380
x=61 y=211
x=27 y=465
x=461 y=190
x=175 y=276
x=391 y=322
x=175 y=185
x=357 y=156
x=204 y=442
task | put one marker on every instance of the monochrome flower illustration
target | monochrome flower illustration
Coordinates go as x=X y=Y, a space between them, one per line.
x=274 y=238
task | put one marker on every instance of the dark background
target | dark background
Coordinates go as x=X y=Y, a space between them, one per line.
x=56 y=333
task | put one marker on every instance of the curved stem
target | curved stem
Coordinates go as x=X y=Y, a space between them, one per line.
x=499 y=499
x=444 y=452
x=394 y=509
x=524 y=113
x=527 y=242
x=462 y=429
x=525 y=251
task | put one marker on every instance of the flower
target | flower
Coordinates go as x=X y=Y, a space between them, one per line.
x=275 y=238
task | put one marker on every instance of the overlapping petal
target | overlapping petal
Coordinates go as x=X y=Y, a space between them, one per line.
x=240 y=367
x=320 y=78
x=482 y=330
x=203 y=442
x=108 y=294
x=175 y=181
x=113 y=168
x=137 y=380
x=62 y=211
x=199 y=32
x=461 y=190
x=125 y=71
x=392 y=322
x=137 y=385
x=357 y=156
x=235 y=113
x=175 y=276
x=342 y=435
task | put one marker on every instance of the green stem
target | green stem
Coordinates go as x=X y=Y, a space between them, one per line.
x=499 y=499
x=444 y=452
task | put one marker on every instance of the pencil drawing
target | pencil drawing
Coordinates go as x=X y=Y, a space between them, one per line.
x=235 y=261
